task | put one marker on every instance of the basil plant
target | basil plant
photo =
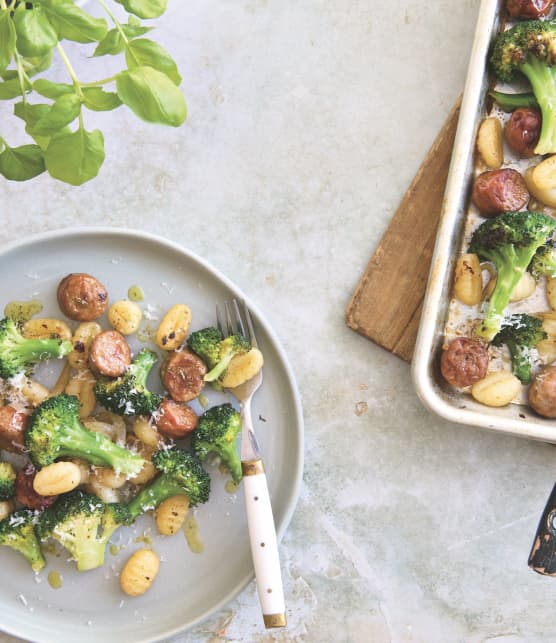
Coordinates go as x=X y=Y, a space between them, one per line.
x=54 y=114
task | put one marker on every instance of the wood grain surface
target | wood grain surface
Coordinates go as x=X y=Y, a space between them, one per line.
x=401 y=262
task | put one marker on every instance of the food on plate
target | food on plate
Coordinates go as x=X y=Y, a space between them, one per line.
x=55 y=431
x=82 y=297
x=174 y=327
x=526 y=49
x=17 y=531
x=175 y=420
x=522 y=130
x=18 y=353
x=109 y=354
x=101 y=447
x=528 y=9
x=496 y=389
x=170 y=515
x=216 y=351
x=182 y=374
x=125 y=316
x=217 y=432
x=129 y=394
x=139 y=572
x=498 y=191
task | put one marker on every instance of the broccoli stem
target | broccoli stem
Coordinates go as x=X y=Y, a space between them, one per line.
x=99 y=450
x=222 y=365
x=36 y=350
x=150 y=497
x=506 y=281
x=543 y=81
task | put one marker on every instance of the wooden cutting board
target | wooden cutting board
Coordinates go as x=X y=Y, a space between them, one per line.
x=386 y=305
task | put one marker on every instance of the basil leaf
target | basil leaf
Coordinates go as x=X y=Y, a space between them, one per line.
x=99 y=100
x=145 y=52
x=75 y=157
x=31 y=115
x=21 y=163
x=145 y=8
x=62 y=112
x=134 y=28
x=12 y=88
x=111 y=44
x=73 y=23
x=36 y=64
x=152 y=96
x=8 y=74
x=7 y=39
x=35 y=35
x=49 y=89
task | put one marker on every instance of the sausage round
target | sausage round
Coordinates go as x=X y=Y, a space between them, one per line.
x=82 y=297
x=523 y=129
x=182 y=374
x=175 y=420
x=542 y=392
x=528 y=9
x=109 y=354
x=12 y=429
x=464 y=362
x=499 y=191
x=26 y=494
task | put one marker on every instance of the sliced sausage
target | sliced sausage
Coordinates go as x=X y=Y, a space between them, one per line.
x=499 y=191
x=464 y=362
x=12 y=429
x=182 y=374
x=82 y=297
x=109 y=354
x=528 y=9
x=26 y=494
x=542 y=392
x=523 y=129
x=175 y=420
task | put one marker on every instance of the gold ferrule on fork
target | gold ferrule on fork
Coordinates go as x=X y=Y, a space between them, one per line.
x=252 y=467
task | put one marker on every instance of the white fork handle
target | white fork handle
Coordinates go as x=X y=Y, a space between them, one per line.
x=264 y=547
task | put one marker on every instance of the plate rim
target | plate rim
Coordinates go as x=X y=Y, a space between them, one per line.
x=118 y=231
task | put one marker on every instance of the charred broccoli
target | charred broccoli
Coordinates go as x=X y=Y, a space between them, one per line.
x=18 y=353
x=83 y=524
x=217 y=432
x=55 y=431
x=18 y=532
x=529 y=48
x=509 y=241
x=521 y=333
x=543 y=262
x=128 y=394
x=215 y=350
x=181 y=474
x=7 y=481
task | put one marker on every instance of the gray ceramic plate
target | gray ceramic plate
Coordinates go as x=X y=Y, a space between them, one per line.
x=90 y=606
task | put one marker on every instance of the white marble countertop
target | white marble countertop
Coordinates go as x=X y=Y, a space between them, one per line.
x=307 y=121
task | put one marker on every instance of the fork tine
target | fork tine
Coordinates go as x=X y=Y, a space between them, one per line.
x=249 y=321
x=219 y=324
x=229 y=322
x=239 y=321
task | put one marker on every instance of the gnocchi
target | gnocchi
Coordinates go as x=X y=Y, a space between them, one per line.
x=496 y=389
x=139 y=572
x=125 y=316
x=170 y=514
x=174 y=327
x=59 y=477
x=242 y=368
x=490 y=142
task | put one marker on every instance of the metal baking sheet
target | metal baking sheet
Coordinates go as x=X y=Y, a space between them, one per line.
x=439 y=397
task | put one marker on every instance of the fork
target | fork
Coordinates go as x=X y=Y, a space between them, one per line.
x=260 y=521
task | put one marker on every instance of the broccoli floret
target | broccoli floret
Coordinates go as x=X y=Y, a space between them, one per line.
x=7 y=481
x=509 y=241
x=128 y=394
x=83 y=524
x=18 y=532
x=181 y=474
x=55 y=431
x=216 y=351
x=520 y=333
x=17 y=353
x=217 y=432
x=529 y=48
x=543 y=262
